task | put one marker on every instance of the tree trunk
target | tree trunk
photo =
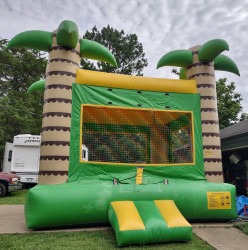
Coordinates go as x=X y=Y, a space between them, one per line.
x=56 y=122
x=203 y=74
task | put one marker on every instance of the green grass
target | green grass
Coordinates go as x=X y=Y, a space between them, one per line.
x=243 y=227
x=86 y=240
x=14 y=198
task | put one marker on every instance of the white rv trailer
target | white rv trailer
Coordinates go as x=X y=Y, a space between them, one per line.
x=26 y=157
x=23 y=157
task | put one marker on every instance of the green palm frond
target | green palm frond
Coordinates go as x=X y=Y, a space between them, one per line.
x=208 y=52
x=37 y=86
x=67 y=34
x=178 y=58
x=182 y=74
x=225 y=63
x=93 y=50
x=211 y=49
x=33 y=39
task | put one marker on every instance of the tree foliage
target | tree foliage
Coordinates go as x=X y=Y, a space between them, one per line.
x=244 y=116
x=229 y=103
x=127 y=50
x=21 y=113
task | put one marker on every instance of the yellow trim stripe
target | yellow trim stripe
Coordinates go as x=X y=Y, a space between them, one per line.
x=131 y=108
x=81 y=134
x=171 y=214
x=111 y=80
x=127 y=215
x=139 y=175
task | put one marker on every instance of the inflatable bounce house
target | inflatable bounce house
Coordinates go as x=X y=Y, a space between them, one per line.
x=128 y=150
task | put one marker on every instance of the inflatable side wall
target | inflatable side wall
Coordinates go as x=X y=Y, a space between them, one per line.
x=87 y=203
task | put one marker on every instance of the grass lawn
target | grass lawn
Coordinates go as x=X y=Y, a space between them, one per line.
x=14 y=198
x=86 y=240
x=243 y=227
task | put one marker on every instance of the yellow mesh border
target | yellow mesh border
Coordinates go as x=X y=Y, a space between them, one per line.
x=135 y=164
x=111 y=80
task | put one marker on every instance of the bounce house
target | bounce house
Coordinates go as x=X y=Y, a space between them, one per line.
x=144 y=173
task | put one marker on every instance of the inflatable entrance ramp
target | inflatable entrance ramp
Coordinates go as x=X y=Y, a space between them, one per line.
x=144 y=222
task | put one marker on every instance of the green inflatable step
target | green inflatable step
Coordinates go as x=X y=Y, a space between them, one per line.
x=144 y=222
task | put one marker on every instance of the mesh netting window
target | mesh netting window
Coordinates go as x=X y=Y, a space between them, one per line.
x=128 y=135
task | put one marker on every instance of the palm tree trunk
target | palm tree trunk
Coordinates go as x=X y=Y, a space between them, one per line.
x=203 y=74
x=55 y=140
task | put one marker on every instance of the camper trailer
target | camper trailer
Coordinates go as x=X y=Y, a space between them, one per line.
x=25 y=157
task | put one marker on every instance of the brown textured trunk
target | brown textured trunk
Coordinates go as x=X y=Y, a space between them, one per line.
x=56 y=122
x=203 y=74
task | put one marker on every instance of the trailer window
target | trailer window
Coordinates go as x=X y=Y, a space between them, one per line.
x=10 y=155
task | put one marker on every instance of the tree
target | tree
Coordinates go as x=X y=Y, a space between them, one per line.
x=228 y=101
x=244 y=116
x=65 y=49
x=20 y=112
x=199 y=63
x=127 y=49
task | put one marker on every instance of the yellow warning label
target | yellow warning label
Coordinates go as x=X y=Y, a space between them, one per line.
x=219 y=200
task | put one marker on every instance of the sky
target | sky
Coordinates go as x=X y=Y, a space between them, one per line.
x=161 y=26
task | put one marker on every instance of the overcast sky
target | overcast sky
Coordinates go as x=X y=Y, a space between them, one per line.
x=161 y=25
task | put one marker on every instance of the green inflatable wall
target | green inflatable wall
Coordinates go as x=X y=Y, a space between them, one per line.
x=87 y=202
x=95 y=95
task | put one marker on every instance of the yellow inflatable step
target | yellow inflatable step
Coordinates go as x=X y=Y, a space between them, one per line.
x=143 y=222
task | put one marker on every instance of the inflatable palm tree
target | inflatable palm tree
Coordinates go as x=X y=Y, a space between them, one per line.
x=65 y=49
x=199 y=63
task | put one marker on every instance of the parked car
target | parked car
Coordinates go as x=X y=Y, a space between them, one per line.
x=9 y=183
